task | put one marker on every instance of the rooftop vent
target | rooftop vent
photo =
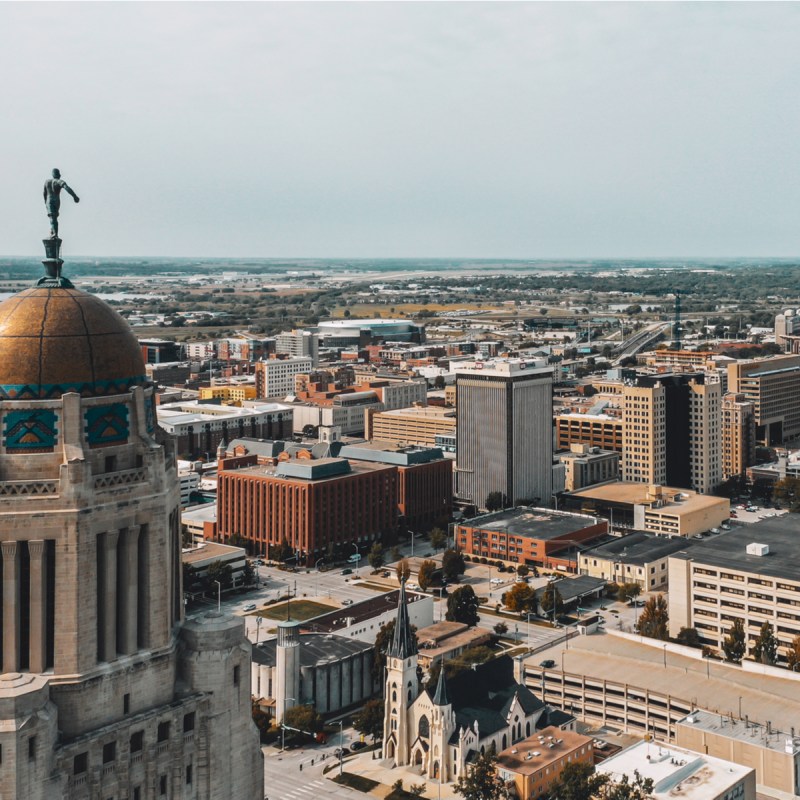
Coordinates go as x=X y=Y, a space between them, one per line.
x=756 y=549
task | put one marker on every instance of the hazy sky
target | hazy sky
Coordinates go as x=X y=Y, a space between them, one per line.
x=527 y=130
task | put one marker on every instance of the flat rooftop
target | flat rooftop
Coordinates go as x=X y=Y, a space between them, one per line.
x=533 y=523
x=780 y=534
x=743 y=731
x=315 y=649
x=540 y=750
x=676 y=501
x=638 y=548
x=711 y=685
x=360 y=612
x=309 y=470
x=211 y=551
x=675 y=771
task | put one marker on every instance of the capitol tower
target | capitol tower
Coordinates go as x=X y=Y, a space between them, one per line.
x=106 y=691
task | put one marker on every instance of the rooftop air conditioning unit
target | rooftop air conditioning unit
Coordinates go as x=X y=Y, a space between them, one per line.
x=756 y=549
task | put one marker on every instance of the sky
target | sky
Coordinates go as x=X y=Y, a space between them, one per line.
x=400 y=130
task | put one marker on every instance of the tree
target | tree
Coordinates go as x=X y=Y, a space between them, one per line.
x=734 y=645
x=375 y=556
x=261 y=718
x=438 y=382
x=280 y=552
x=462 y=606
x=688 y=637
x=369 y=720
x=520 y=598
x=425 y=575
x=479 y=654
x=626 y=789
x=793 y=653
x=495 y=501
x=403 y=570
x=217 y=571
x=551 y=601
x=523 y=570
x=765 y=648
x=501 y=628
x=249 y=575
x=303 y=718
x=627 y=592
x=452 y=565
x=654 y=618
x=396 y=554
x=438 y=538
x=578 y=781
x=787 y=491
x=481 y=781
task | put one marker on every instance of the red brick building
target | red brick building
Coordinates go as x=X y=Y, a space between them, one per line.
x=533 y=536
x=314 y=505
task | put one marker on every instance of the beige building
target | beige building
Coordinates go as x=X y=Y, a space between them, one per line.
x=678 y=772
x=535 y=764
x=772 y=385
x=738 y=427
x=654 y=509
x=229 y=393
x=638 y=558
x=106 y=690
x=773 y=754
x=585 y=465
x=751 y=573
x=445 y=640
x=594 y=430
x=417 y=426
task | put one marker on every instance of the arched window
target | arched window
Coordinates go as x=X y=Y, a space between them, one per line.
x=424 y=728
x=505 y=742
x=527 y=728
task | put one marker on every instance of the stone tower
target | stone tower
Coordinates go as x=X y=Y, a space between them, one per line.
x=401 y=684
x=106 y=692
x=443 y=723
x=287 y=667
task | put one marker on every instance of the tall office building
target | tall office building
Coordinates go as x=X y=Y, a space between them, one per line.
x=505 y=431
x=275 y=376
x=672 y=431
x=738 y=435
x=298 y=343
x=106 y=691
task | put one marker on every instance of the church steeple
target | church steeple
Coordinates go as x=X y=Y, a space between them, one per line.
x=404 y=642
x=440 y=697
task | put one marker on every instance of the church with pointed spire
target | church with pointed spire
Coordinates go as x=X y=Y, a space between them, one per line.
x=441 y=732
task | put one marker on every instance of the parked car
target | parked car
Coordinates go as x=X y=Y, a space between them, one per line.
x=412 y=585
x=385 y=573
x=249 y=607
x=497 y=581
x=548 y=663
x=341 y=751
x=347 y=571
x=358 y=746
x=347 y=602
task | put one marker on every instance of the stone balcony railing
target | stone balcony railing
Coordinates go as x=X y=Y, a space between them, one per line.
x=122 y=478
x=29 y=488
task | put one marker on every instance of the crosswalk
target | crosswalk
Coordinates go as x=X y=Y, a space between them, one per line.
x=287 y=788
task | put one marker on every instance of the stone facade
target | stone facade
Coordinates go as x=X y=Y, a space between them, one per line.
x=106 y=691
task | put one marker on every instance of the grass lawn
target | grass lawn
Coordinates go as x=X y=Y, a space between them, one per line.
x=357 y=782
x=300 y=610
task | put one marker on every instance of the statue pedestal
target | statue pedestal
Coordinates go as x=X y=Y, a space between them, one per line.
x=53 y=264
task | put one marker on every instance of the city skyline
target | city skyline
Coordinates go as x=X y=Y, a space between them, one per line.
x=405 y=130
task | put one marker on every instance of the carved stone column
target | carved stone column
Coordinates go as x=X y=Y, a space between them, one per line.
x=110 y=595
x=128 y=594
x=38 y=593
x=11 y=631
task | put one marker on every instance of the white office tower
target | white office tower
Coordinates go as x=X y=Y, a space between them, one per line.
x=504 y=431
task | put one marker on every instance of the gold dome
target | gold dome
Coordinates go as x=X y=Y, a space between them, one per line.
x=58 y=340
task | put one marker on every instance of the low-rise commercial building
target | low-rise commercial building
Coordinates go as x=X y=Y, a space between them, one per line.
x=535 y=764
x=445 y=640
x=533 y=536
x=585 y=465
x=418 y=425
x=229 y=393
x=751 y=574
x=201 y=556
x=638 y=558
x=678 y=772
x=655 y=509
x=595 y=430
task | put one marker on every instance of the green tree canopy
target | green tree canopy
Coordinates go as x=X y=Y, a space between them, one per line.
x=481 y=781
x=462 y=606
x=495 y=501
x=369 y=720
x=765 y=647
x=438 y=538
x=628 y=591
x=578 y=781
x=217 y=571
x=452 y=565
x=654 y=619
x=734 y=645
x=303 y=718
x=375 y=556
x=551 y=600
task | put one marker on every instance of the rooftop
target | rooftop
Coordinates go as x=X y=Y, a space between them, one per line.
x=729 y=550
x=391 y=453
x=675 y=771
x=319 y=469
x=360 y=612
x=211 y=551
x=674 y=501
x=533 y=523
x=744 y=730
x=315 y=649
x=540 y=750
x=638 y=548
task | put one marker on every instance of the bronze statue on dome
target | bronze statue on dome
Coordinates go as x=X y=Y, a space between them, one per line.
x=52 y=199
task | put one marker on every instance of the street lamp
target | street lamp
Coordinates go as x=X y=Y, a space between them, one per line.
x=219 y=597
x=259 y=620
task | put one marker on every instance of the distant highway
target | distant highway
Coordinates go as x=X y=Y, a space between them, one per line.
x=641 y=340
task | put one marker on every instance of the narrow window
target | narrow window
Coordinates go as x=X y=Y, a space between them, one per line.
x=236 y=676
x=109 y=752
x=32 y=748
x=137 y=741
x=188 y=722
x=80 y=763
x=163 y=731
x=162 y=784
x=126 y=704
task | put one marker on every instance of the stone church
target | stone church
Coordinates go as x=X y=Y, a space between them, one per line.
x=441 y=732
x=106 y=691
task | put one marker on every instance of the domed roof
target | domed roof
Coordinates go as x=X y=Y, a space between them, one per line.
x=58 y=340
